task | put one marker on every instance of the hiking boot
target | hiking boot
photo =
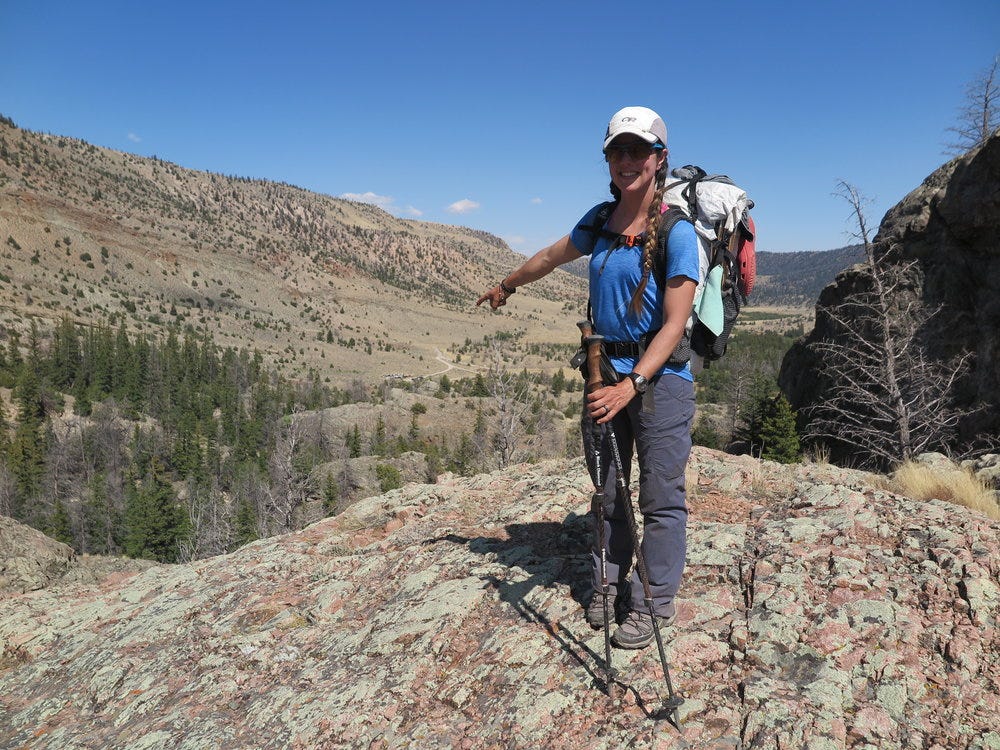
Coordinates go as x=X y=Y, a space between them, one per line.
x=595 y=610
x=637 y=630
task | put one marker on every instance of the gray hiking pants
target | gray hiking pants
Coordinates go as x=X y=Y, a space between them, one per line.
x=662 y=439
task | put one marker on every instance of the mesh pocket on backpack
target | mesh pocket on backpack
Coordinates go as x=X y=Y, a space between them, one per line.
x=706 y=343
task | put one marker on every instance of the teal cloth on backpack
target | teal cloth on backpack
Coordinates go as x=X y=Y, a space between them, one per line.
x=709 y=307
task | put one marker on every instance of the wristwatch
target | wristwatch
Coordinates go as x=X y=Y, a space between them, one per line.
x=639 y=381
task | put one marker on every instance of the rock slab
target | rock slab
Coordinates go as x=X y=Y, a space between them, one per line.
x=817 y=612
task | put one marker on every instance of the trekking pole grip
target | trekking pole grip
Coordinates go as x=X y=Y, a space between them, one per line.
x=592 y=344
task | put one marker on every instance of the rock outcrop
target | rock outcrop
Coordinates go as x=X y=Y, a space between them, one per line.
x=948 y=226
x=818 y=611
x=30 y=561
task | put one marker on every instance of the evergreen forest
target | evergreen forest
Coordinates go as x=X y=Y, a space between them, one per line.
x=170 y=450
x=173 y=448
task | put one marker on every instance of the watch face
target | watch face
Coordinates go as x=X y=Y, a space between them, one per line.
x=639 y=382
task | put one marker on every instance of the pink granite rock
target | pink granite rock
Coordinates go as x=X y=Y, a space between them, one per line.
x=816 y=612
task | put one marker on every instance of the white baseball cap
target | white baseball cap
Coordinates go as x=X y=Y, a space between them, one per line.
x=640 y=121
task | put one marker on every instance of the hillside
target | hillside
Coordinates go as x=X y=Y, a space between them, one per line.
x=309 y=280
x=796 y=279
x=818 y=610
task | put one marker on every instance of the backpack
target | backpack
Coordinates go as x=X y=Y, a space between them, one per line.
x=720 y=213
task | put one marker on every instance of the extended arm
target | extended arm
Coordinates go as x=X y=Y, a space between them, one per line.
x=538 y=265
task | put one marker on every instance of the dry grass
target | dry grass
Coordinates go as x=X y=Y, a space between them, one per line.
x=818 y=454
x=758 y=481
x=957 y=485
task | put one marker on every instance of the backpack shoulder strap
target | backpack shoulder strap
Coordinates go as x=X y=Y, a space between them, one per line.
x=668 y=221
x=596 y=228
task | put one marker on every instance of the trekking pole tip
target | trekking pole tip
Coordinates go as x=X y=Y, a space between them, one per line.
x=611 y=682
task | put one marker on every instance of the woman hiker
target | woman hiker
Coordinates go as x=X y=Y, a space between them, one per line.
x=652 y=405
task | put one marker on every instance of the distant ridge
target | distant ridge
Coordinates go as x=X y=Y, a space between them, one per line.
x=311 y=281
x=785 y=279
x=796 y=279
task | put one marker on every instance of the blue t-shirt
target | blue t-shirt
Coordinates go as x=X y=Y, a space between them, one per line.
x=615 y=272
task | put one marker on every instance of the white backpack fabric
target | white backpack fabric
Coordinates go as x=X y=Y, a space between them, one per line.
x=716 y=207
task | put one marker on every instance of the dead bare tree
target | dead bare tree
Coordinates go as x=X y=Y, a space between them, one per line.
x=510 y=399
x=210 y=519
x=979 y=115
x=290 y=487
x=886 y=397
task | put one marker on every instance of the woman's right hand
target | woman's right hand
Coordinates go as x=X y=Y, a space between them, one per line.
x=497 y=297
x=537 y=266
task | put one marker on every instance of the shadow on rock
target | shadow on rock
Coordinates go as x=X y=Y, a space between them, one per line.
x=552 y=554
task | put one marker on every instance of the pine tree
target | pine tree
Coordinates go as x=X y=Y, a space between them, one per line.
x=705 y=433
x=59 y=526
x=102 y=522
x=101 y=361
x=558 y=382
x=751 y=416
x=155 y=522
x=82 y=404
x=34 y=358
x=27 y=449
x=122 y=364
x=4 y=430
x=778 y=435
x=187 y=458
x=379 y=445
x=353 y=441
x=462 y=460
x=389 y=477
x=137 y=376
x=14 y=359
x=246 y=525
x=66 y=358
x=331 y=495
x=479 y=387
x=28 y=395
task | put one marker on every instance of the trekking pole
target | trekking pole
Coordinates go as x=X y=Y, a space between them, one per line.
x=673 y=702
x=592 y=343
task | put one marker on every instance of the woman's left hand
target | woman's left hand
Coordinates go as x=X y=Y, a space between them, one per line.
x=605 y=402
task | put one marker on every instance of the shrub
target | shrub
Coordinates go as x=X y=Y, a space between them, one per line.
x=706 y=434
x=389 y=477
x=957 y=485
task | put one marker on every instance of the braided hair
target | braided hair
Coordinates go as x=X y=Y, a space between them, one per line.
x=652 y=225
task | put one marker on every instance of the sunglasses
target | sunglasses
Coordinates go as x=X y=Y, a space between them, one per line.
x=634 y=151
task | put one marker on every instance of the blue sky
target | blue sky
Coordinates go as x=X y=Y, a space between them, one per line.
x=490 y=115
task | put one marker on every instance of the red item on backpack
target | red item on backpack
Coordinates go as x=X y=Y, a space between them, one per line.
x=747 y=255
